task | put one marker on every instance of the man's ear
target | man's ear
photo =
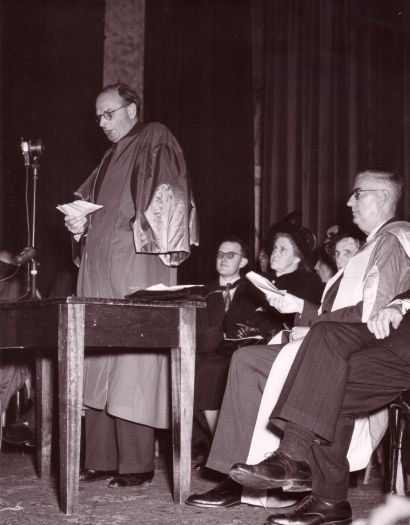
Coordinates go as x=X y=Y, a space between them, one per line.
x=132 y=110
x=382 y=197
x=243 y=263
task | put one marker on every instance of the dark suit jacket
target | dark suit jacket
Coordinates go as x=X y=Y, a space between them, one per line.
x=213 y=322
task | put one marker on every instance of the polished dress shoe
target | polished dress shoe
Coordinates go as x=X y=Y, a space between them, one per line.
x=277 y=470
x=225 y=494
x=315 y=511
x=19 y=434
x=96 y=475
x=131 y=480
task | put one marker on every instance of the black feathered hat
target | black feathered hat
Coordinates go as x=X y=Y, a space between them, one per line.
x=304 y=239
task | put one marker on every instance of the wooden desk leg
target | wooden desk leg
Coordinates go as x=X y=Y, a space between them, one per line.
x=182 y=376
x=44 y=413
x=70 y=386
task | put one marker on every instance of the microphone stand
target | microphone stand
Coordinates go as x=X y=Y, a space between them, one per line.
x=29 y=253
x=33 y=264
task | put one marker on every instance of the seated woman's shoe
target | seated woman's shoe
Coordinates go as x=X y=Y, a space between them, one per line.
x=225 y=494
x=315 y=511
x=96 y=475
x=131 y=480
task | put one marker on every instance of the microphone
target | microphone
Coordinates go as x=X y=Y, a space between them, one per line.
x=24 y=256
x=31 y=148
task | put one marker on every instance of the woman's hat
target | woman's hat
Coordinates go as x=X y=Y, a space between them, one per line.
x=304 y=239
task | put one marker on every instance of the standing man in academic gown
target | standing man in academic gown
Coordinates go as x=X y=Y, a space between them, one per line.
x=144 y=230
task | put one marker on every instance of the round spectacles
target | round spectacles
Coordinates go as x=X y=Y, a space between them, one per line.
x=108 y=114
x=228 y=255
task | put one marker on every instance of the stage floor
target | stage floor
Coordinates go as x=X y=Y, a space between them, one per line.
x=24 y=499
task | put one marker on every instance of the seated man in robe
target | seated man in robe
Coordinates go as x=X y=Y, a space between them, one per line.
x=378 y=271
x=341 y=371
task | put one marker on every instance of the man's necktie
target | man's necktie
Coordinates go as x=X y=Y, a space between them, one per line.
x=227 y=296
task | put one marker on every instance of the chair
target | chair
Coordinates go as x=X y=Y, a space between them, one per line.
x=399 y=415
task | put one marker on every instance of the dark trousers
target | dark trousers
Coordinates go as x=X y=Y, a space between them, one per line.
x=340 y=372
x=115 y=444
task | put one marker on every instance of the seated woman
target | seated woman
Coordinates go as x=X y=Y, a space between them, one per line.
x=291 y=261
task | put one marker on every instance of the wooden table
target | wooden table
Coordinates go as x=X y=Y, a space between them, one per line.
x=64 y=328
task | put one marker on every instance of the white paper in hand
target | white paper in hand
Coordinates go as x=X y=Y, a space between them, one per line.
x=78 y=208
x=267 y=287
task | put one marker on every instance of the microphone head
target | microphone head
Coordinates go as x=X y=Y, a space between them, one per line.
x=31 y=149
x=24 y=256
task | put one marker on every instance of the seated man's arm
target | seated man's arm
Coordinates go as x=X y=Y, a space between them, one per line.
x=379 y=324
x=387 y=275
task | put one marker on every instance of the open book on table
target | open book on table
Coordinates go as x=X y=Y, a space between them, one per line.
x=166 y=293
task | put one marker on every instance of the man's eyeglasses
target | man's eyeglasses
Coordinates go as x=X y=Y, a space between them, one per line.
x=358 y=191
x=108 y=114
x=228 y=255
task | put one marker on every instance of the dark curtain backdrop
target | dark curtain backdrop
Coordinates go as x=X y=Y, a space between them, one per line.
x=198 y=81
x=335 y=102
x=51 y=69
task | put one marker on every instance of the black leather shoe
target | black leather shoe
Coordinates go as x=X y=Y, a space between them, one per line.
x=315 y=511
x=278 y=470
x=131 y=480
x=225 y=494
x=96 y=475
x=19 y=434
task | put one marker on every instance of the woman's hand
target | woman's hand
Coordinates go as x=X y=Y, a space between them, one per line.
x=76 y=225
x=286 y=304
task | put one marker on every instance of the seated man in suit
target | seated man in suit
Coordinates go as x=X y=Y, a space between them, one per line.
x=341 y=370
x=230 y=300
